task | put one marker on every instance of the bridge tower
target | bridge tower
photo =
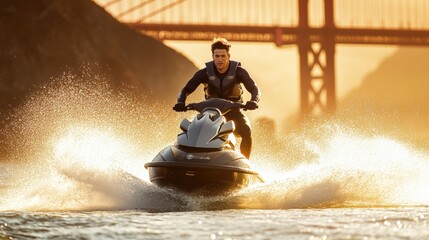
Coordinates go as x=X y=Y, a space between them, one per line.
x=317 y=62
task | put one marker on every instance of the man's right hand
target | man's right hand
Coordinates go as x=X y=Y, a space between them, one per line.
x=251 y=105
x=180 y=107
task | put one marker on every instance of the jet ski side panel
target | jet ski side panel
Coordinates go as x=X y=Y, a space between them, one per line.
x=205 y=181
x=206 y=173
x=227 y=157
x=196 y=180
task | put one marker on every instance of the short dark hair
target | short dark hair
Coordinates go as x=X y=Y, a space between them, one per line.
x=220 y=43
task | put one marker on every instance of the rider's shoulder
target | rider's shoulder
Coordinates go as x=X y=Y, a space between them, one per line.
x=241 y=69
x=201 y=74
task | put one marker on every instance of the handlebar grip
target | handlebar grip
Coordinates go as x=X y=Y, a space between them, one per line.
x=190 y=106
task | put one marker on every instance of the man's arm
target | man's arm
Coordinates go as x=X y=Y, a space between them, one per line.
x=250 y=85
x=198 y=78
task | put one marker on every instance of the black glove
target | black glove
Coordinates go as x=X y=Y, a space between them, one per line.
x=179 y=107
x=251 y=105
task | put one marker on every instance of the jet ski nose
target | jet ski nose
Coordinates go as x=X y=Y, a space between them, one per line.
x=213 y=113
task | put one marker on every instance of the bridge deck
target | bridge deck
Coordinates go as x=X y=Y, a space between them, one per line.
x=282 y=35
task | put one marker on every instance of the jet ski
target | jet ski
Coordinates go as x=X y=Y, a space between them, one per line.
x=204 y=160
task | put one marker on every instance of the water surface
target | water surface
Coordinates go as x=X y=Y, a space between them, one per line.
x=341 y=223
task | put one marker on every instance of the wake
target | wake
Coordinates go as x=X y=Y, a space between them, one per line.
x=350 y=172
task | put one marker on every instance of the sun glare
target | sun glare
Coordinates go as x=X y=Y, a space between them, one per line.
x=89 y=147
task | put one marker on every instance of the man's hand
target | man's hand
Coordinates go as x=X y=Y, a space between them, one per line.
x=179 y=107
x=251 y=105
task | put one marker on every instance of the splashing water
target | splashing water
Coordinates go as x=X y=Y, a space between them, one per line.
x=81 y=145
x=350 y=171
x=96 y=162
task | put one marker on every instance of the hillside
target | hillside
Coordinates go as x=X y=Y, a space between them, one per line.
x=393 y=99
x=41 y=39
x=63 y=62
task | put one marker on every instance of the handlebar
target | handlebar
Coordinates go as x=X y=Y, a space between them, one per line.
x=196 y=107
x=223 y=105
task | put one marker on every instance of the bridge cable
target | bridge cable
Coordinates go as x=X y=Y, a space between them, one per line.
x=132 y=9
x=160 y=10
x=110 y=3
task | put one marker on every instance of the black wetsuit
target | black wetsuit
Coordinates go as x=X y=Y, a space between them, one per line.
x=227 y=86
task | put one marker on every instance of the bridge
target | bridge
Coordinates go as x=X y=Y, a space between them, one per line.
x=315 y=26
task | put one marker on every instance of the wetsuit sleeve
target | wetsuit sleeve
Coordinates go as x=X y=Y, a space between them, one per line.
x=198 y=78
x=250 y=85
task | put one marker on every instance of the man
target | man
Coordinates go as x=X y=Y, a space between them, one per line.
x=222 y=78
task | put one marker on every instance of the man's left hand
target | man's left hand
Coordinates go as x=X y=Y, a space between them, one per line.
x=180 y=107
x=251 y=105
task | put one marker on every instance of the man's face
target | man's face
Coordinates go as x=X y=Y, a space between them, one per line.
x=221 y=59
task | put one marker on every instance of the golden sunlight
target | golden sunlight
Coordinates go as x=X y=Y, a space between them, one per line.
x=90 y=147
